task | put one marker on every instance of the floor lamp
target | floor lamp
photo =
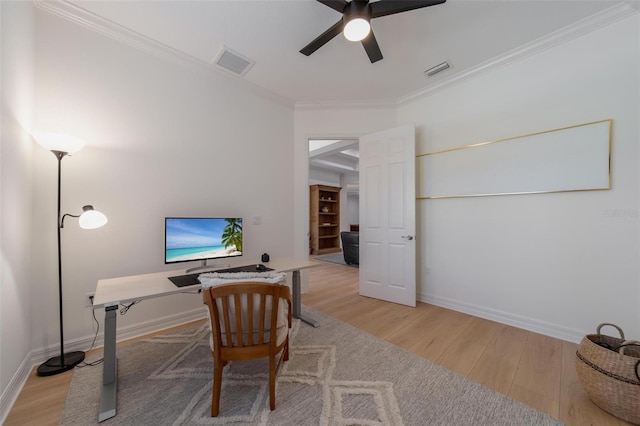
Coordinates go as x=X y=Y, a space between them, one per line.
x=62 y=145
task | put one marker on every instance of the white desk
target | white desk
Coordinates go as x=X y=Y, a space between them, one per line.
x=112 y=292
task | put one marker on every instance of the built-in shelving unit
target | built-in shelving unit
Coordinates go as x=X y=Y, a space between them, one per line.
x=324 y=219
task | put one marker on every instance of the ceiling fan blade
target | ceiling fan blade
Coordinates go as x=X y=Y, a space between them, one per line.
x=371 y=46
x=337 y=5
x=323 y=38
x=389 y=7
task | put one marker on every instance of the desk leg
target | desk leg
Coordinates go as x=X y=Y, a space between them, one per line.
x=297 y=297
x=110 y=366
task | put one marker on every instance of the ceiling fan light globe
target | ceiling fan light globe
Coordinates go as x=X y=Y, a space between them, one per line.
x=357 y=29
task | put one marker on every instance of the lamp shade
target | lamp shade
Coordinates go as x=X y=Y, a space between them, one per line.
x=357 y=29
x=91 y=219
x=58 y=142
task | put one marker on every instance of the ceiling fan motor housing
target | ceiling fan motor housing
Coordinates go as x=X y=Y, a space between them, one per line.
x=357 y=9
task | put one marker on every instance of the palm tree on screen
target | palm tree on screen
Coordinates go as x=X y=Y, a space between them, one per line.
x=232 y=234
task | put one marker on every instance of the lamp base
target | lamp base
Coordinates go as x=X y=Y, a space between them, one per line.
x=54 y=366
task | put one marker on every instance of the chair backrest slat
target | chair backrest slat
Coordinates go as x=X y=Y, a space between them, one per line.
x=227 y=321
x=261 y=322
x=274 y=313
x=249 y=328
x=237 y=306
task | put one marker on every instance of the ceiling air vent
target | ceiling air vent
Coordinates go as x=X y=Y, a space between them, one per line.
x=234 y=62
x=438 y=68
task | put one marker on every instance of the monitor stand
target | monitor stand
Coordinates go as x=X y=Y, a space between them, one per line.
x=204 y=266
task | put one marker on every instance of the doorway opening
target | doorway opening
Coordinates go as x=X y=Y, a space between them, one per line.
x=335 y=162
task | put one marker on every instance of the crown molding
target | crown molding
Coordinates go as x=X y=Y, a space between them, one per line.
x=80 y=16
x=91 y=21
x=329 y=105
x=606 y=17
x=592 y=23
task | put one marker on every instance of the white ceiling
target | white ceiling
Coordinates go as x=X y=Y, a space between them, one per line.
x=466 y=33
x=471 y=35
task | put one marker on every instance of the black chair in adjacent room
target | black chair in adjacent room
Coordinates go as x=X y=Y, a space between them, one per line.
x=351 y=247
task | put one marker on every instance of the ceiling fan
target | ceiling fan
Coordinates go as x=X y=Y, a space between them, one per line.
x=355 y=22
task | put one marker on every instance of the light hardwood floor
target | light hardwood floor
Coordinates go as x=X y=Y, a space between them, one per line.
x=534 y=369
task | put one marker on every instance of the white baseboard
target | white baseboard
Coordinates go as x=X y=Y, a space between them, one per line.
x=124 y=333
x=38 y=356
x=11 y=392
x=530 y=324
x=158 y=324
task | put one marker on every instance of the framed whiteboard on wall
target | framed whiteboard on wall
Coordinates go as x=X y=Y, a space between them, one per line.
x=575 y=158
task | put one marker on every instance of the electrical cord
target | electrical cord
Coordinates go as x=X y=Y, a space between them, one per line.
x=125 y=308
x=98 y=361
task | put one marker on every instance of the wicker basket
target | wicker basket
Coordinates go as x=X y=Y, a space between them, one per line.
x=610 y=373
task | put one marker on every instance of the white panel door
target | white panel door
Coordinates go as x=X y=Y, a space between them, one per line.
x=387 y=215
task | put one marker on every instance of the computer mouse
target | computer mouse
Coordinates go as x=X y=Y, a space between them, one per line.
x=260 y=267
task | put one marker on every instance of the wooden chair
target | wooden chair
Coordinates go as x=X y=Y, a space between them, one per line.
x=260 y=328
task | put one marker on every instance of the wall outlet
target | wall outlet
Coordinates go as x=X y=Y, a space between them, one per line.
x=88 y=300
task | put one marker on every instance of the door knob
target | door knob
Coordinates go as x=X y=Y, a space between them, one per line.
x=408 y=237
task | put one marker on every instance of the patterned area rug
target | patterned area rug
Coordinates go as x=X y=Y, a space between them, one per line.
x=336 y=375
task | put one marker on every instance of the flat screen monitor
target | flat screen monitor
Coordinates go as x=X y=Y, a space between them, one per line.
x=188 y=239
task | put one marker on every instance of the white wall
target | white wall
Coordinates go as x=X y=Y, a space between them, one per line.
x=163 y=139
x=16 y=191
x=350 y=200
x=323 y=177
x=555 y=263
x=353 y=209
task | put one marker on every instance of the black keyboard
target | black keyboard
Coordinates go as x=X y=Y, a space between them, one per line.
x=185 y=280
x=246 y=268
x=192 y=279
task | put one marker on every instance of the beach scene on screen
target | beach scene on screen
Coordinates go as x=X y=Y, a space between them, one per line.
x=202 y=238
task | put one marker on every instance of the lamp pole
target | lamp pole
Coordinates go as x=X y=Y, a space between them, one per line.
x=60 y=155
x=61 y=145
x=58 y=365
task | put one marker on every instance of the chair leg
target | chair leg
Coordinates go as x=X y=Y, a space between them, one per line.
x=217 y=387
x=285 y=354
x=272 y=382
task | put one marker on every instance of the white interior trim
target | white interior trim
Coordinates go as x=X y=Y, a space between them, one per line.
x=139 y=41
x=582 y=27
x=541 y=327
x=124 y=35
